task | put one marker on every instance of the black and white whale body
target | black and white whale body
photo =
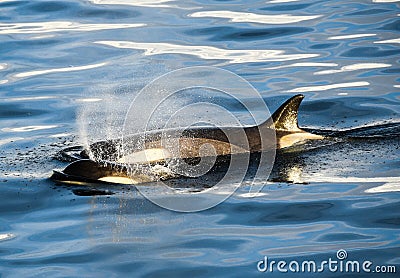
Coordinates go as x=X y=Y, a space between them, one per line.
x=282 y=125
x=104 y=162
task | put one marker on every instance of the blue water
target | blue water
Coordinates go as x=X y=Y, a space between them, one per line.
x=57 y=56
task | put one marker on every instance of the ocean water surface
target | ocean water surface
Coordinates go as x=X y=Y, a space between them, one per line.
x=70 y=69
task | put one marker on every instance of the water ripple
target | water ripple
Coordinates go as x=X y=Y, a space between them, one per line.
x=47 y=71
x=389 y=41
x=7 y=236
x=225 y=33
x=318 y=88
x=255 y=18
x=359 y=66
x=27 y=128
x=139 y=3
x=352 y=36
x=385 y=1
x=59 y=26
x=304 y=64
x=210 y=52
x=368 y=51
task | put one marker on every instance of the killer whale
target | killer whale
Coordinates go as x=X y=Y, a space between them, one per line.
x=103 y=161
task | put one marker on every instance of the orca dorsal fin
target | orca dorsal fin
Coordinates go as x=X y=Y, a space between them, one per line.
x=285 y=118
